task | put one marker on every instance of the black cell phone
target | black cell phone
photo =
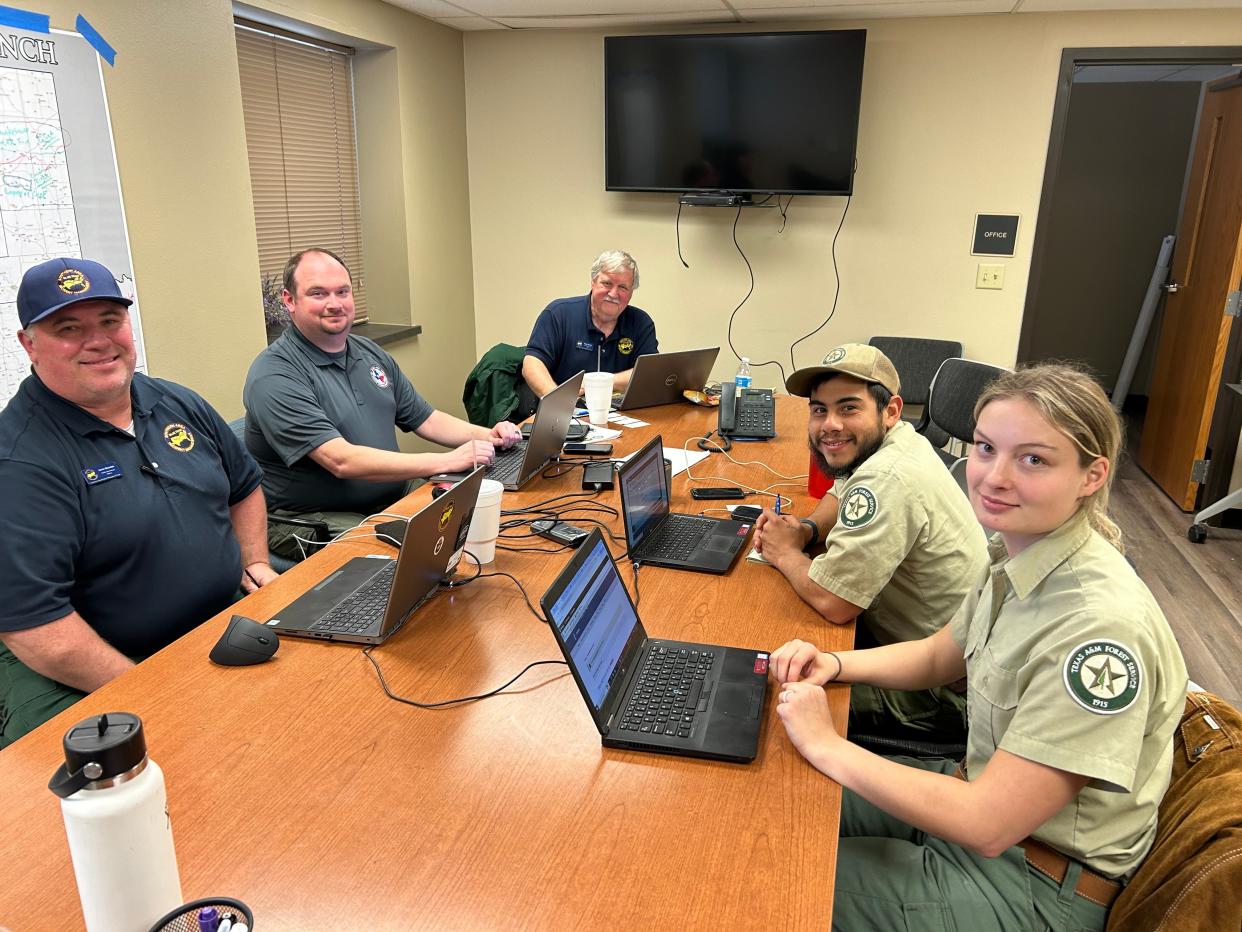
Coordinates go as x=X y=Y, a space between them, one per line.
x=587 y=449
x=746 y=512
x=717 y=491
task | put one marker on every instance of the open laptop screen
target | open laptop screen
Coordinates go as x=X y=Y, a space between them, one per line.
x=595 y=621
x=644 y=499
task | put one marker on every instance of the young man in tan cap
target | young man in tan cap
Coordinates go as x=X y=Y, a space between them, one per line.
x=901 y=544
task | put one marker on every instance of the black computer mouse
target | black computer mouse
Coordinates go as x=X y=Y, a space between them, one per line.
x=244 y=642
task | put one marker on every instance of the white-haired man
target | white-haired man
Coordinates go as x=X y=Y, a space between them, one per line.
x=600 y=330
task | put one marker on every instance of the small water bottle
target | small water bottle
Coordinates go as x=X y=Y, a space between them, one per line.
x=741 y=379
x=116 y=817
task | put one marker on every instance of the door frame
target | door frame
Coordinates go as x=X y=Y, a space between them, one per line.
x=1222 y=455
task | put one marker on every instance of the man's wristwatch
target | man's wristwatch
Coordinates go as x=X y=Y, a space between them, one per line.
x=814 y=528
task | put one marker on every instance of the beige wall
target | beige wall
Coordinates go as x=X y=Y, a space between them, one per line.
x=955 y=120
x=175 y=105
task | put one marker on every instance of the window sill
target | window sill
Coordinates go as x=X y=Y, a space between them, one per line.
x=384 y=334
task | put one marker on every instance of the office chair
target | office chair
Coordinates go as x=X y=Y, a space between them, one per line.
x=916 y=360
x=318 y=530
x=956 y=387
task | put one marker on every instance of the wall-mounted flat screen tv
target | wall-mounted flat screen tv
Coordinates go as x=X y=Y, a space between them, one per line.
x=762 y=113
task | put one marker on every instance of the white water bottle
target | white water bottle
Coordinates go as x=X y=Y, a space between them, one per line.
x=116 y=817
x=741 y=379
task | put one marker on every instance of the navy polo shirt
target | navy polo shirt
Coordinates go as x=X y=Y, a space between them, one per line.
x=567 y=342
x=143 y=555
x=299 y=397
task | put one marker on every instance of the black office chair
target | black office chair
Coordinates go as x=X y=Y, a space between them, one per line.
x=951 y=402
x=916 y=360
x=316 y=531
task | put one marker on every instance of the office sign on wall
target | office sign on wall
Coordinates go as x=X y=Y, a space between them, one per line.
x=995 y=235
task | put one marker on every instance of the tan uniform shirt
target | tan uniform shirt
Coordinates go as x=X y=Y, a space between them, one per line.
x=1070 y=663
x=906 y=545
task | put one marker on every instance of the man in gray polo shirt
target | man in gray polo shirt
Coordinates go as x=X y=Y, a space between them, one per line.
x=321 y=405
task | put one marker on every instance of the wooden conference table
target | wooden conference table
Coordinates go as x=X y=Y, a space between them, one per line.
x=299 y=788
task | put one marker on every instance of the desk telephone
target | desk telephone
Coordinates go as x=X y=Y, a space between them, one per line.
x=749 y=417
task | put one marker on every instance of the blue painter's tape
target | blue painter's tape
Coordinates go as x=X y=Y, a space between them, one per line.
x=87 y=31
x=24 y=19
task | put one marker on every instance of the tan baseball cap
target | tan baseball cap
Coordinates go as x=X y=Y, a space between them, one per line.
x=860 y=360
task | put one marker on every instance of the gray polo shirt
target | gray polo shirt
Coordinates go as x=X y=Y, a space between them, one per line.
x=299 y=397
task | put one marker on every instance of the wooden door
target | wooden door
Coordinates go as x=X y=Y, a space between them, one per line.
x=1207 y=265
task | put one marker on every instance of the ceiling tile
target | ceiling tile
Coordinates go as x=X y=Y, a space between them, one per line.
x=432 y=9
x=1064 y=6
x=502 y=9
x=469 y=23
x=609 y=21
x=871 y=9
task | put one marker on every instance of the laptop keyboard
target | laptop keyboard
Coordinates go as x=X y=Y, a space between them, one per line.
x=678 y=537
x=362 y=609
x=505 y=466
x=669 y=692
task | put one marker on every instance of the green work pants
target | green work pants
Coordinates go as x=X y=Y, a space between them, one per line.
x=935 y=715
x=27 y=700
x=891 y=876
x=283 y=539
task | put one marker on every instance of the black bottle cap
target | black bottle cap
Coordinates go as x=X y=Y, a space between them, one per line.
x=99 y=748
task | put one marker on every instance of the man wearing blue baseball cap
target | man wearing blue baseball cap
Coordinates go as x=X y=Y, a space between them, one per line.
x=132 y=513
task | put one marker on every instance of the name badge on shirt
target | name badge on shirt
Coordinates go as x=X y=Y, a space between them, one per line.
x=585 y=345
x=101 y=473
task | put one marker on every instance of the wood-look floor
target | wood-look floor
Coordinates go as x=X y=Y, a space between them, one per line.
x=1199 y=586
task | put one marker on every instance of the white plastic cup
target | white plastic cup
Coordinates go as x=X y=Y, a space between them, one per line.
x=597 y=387
x=485 y=523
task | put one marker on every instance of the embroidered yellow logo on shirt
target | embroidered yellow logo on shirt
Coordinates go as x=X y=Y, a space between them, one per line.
x=72 y=281
x=626 y=346
x=858 y=508
x=1103 y=676
x=178 y=437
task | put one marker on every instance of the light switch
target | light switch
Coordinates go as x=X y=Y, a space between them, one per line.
x=990 y=276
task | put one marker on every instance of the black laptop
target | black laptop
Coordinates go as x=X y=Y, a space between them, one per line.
x=516 y=466
x=647 y=694
x=660 y=378
x=369 y=598
x=661 y=538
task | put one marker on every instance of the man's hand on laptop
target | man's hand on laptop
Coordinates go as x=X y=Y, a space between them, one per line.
x=470 y=454
x=505 y=435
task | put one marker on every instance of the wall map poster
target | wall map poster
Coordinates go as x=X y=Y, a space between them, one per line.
x=60 y=193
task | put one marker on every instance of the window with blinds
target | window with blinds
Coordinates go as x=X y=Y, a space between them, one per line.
x=298 y=99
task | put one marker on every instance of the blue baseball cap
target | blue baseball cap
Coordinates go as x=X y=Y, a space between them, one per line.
x=57 y=283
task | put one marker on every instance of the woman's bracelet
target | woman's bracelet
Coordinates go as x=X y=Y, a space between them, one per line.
x=833 y=678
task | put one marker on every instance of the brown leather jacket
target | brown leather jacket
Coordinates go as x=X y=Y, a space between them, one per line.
x=1192 y=879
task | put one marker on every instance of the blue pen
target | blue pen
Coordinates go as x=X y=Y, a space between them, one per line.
x=778 y=503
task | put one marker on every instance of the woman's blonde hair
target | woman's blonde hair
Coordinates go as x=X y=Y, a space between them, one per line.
x=1073 y=402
